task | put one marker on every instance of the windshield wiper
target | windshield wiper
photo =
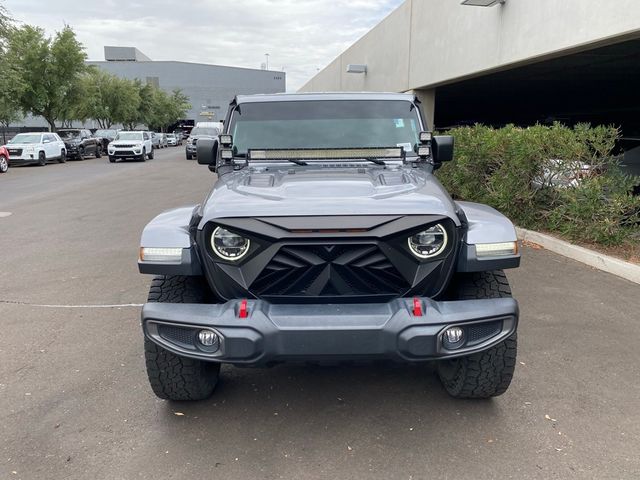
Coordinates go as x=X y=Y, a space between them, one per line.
x=377 y=161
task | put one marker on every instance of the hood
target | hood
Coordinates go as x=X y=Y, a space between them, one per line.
x=115 y=143
x=307 y=191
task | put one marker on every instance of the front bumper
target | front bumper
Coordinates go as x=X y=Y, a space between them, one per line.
x=23 y=159
x=125 y=153
x=191 y=149
x=274 y=332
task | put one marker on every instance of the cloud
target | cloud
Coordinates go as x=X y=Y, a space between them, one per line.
x=301 y=36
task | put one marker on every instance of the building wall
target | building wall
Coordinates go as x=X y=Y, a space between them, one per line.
x=208 y=85
x=426 y=43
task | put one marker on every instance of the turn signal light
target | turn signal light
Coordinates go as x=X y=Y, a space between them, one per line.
x=243 y=311
x=417 y=307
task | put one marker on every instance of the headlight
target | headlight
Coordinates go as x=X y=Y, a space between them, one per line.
x=429 y=242
x=229 y=245
x=30 y=149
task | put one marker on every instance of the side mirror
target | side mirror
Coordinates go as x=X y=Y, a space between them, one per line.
x=442 y=149
x=46 y=141
x=207 y=151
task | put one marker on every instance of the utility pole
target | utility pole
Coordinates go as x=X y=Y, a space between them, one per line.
x=267 y=57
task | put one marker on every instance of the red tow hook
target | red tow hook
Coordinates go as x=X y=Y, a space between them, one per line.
x=243 y=311
x=417 y=307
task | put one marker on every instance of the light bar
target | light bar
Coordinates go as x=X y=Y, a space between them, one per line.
x=496 y=249
x=161 y=255
x=330 y=153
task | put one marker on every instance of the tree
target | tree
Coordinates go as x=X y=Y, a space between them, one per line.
x=51 y=70
x=11 y=83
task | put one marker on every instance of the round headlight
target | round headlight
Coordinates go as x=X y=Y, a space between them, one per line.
x=229 y=245
x=429 y=242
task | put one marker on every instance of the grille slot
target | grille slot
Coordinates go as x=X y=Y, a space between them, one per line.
x=483 y=331
x=185 y=337
x=329 y=270
x=15 y=151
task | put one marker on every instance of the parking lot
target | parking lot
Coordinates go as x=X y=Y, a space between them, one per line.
x=75 y=401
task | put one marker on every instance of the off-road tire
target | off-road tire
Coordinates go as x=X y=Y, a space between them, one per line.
x=488 y=373
x=173 y=377
x=4 y=164
x=63 y=157
x=42 y=159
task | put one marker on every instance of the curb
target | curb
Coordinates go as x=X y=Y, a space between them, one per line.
x=592 y=258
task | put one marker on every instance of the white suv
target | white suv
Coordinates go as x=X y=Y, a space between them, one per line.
x=134 y=144
x=36 y=147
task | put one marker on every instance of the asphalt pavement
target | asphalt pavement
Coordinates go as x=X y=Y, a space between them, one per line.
x=75 y=402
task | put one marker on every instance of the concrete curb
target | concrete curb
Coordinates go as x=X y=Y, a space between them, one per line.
x=592 y=258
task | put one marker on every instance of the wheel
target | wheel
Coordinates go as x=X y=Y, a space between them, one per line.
x=81 y=153
x=173 y=377
x=4 y=164
x=112 y=159
x=143 y=157
x=63 y=157
x=151 y=154
x=189 y=157
x=98 y=152
x=488 y=373
x=42 y=159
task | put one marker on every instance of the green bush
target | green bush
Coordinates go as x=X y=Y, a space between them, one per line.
x=538 y=177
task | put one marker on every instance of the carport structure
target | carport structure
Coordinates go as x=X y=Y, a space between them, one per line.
x=514 y=62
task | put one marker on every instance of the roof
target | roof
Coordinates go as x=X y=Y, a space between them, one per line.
x=296 y=97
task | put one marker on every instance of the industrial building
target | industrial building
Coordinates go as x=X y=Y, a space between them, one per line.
x=502 y=61
x=209 y=88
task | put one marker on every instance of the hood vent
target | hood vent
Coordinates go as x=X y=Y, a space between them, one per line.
x=393 y=179
x=260 y=181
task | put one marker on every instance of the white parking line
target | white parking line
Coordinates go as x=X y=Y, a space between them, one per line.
x=122 y=305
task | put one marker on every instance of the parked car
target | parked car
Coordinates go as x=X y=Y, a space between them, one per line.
x=132 y=144
x=155 y=140
x=36 y=147
x=162 y=140
x=324 y=239
x=173 y=139
x=80 y=143
x=4 y=159
x=197 y=133
x=106 y=136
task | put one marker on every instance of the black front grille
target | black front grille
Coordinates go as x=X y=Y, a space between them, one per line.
x=15 y=151
x=329 y=270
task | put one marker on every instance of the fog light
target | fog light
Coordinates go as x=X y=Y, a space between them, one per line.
x=208 y=338
x=453 y=337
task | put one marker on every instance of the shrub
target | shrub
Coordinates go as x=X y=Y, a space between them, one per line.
x=547 y=177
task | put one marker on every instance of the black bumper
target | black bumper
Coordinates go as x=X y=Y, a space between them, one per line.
x=273 y=332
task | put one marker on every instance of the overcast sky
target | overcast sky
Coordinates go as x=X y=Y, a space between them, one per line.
x=301 y=36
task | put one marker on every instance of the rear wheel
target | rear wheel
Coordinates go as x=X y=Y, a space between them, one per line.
x=4 y=164
x=42 y=159
x=488 y=373
x=173 y=377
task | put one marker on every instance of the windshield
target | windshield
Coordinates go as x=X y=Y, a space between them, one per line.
x=201 y=131
x=105 y=133
x=129 y=136
x=69 y=133
x=325 y=124
x=25 y=138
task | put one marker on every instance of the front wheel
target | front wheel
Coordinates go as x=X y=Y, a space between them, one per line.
x=42 y=159
x=4 y=164
x=112 y=159
x=151 y=154
x=98 y=152
x=173 y=377
x=143 y=157
x=488 y=373
x=63 y=157
x=81 y=153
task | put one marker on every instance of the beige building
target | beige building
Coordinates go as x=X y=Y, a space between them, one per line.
x=521 y=61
